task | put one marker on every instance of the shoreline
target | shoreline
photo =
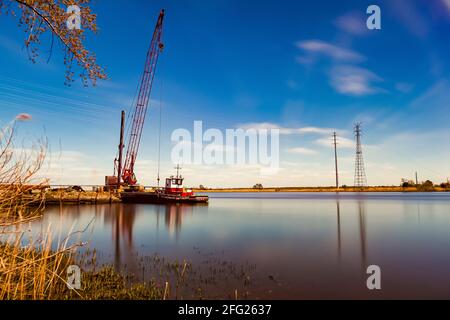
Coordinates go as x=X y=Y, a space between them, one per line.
x=320 y=189
x=92 y=198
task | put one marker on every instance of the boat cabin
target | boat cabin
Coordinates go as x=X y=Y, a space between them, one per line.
x=174 y=185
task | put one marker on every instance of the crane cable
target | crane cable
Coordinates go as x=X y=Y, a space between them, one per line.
x=161 y=61
x=128 y=120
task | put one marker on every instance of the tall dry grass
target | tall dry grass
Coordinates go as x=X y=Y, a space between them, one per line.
x=29 y=268
x=18 y=169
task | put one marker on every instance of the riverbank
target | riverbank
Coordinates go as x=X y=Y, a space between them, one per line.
x=79 y=197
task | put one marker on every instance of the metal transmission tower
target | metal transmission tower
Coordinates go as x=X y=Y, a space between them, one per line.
x=360 y=174
x=335 y=159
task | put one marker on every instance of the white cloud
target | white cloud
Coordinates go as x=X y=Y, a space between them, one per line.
x=345 y=79
x=316 y=130
x=404 y=87
x=258 y=126
x=286 y=130
x=342 y=142
x=355 y=81
x=304 y=151
x=73 y=168
x=292 y=84
x=352 y=22
x=447 y=4
x=330 y=50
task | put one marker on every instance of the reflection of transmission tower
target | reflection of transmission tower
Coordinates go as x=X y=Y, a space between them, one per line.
x=360 y=174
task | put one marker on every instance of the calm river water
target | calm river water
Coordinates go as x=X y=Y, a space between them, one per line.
x=288 y=245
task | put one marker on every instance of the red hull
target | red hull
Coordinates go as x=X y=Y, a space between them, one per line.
x=160 y=198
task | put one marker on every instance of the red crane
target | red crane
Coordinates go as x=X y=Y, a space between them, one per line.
x=140 y=110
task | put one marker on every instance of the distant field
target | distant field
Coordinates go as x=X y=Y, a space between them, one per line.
x=326 y=189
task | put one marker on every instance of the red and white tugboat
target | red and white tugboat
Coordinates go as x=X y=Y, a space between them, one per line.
x=173 y=192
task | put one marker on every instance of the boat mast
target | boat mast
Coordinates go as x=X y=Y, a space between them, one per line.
x=178 y=170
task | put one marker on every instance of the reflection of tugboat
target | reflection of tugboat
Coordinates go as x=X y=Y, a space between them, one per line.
x=174 y=192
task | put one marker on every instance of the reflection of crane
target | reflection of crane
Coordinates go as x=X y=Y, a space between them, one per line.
x=126 y=172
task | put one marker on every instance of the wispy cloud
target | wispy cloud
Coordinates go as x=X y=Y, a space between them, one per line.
x=319 y=47
x=410 y=17
x=292 y=84
x=404 y=87
x=446 y=4
x=303 y=151
x=315 y=130
x=436 y=97
x=342 y=142
x=352 y=22
x=347 y=78
x=345 y=143
x=286 y=130
x=354 y=81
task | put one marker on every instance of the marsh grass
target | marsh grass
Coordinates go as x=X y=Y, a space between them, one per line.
x=210 y=277
x=31 y=272
x=28 y=269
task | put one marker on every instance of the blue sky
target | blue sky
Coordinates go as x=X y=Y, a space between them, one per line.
x=286 y=64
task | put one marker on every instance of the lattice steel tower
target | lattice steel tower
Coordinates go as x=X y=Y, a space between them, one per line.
x=360 y=174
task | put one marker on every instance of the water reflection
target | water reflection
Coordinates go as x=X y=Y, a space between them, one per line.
x=313 y=245
x=174 y=217
x=122 y=220
x=362 y=234
x=418 y=213
x=361 y=229
x=338 y=210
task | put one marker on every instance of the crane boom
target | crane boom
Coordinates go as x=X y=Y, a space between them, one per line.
x=142 y=100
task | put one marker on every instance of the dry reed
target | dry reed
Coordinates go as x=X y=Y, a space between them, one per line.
x=29 y=269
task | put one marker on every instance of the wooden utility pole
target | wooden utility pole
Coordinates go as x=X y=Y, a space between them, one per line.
x=335 y=159
x=119 y=169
